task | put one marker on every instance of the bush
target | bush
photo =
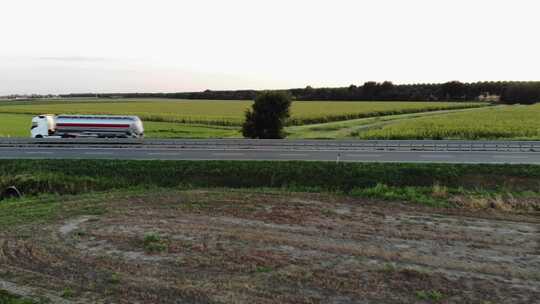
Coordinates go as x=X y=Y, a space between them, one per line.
x=268 y=116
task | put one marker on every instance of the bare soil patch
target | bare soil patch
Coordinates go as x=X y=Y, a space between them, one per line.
x=246 y=247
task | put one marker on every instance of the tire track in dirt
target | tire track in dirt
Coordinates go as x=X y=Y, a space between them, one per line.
x=257 y=248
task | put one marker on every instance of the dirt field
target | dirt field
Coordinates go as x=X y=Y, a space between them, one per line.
x=247 y=247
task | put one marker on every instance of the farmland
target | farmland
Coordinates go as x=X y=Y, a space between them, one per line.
x=349 y=129
x=495 y=122
x=18 y=125
x=216 y=246
x=15 y=125
x=504 y=122
x=220 y=119
x=228 y=113
x=145 y=232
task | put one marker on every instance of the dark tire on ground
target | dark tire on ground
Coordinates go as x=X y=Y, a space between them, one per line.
x=11 y=192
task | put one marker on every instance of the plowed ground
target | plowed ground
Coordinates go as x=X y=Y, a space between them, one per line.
x=244 y=247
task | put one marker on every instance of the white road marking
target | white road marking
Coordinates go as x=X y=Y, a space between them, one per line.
x=293 y=155
x=510 y=156
x=162 y=153
x=436 y=156
x=40 y=152
x=227 y=154
x=99 y=153
x=363 y=155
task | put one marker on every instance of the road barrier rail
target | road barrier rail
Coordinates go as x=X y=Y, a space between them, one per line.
x=238 y=144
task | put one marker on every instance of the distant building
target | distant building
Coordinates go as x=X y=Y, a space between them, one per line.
x=489 y=97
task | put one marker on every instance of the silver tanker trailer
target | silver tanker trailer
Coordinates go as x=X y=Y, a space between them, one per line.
x=62 y=126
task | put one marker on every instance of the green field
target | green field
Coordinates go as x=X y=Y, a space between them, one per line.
x=18 y=125
x=350 y=129
x=228 y=113
x=503 y=122
x=15 y=125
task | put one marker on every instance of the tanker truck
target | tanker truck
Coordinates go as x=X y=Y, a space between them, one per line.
x=70 y=126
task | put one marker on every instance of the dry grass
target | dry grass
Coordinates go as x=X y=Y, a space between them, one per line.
x=439 y=191
x=503 y=202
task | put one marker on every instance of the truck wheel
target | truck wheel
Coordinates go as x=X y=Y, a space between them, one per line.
x=39 y=136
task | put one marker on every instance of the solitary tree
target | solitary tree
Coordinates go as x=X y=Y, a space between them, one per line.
x=268 y=115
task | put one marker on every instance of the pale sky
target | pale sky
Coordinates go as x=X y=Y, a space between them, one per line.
x=65 y=46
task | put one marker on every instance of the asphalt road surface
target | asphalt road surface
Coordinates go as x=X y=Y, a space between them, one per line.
x=274 y=153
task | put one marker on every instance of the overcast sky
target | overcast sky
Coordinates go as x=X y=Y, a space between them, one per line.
x=63 y=46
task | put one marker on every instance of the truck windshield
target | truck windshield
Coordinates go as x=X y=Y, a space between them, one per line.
x=34 y=125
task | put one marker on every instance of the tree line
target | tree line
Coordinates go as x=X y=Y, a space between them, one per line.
x=509 y=92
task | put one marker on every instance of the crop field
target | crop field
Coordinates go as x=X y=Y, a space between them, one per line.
x=349 y=129
x=500 y=122
x=228 y=113
x=15 y=125
x=503 y=122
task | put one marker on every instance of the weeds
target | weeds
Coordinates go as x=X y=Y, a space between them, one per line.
x=153 y=243
x=328 y=212
x=115 y=278
x=439 y=191
x=431 y=295
x=389 y=267
x=67 y=293
x=262 y=269
x=413 y=194
x=7 y=298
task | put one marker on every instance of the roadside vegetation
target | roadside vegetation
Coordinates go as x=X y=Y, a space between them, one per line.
x=442 y=185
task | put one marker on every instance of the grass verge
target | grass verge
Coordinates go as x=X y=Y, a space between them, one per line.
x=81 y=176
x=505 y=187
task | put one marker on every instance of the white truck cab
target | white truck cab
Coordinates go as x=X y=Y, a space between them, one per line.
x=43 y=126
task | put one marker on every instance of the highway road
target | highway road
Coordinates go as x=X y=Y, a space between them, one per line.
x=336 y=151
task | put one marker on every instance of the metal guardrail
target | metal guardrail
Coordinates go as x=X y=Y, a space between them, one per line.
x=338 y=145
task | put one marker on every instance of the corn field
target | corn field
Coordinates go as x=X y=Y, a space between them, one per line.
x=504 y=122
x=228 y=113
